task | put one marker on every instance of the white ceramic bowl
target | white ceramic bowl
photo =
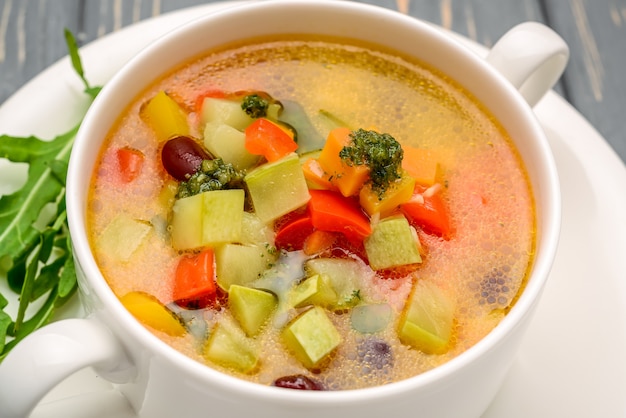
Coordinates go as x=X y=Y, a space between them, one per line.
x=161 y=382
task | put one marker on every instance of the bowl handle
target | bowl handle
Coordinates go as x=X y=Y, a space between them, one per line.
x=52 y=353
x=532 y=57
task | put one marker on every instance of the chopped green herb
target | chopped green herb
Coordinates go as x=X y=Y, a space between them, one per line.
x=212 y=175
x=35 y=250
x=255 y=105
x=380 y=152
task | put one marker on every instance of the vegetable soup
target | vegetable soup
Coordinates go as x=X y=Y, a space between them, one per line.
x=312 y=214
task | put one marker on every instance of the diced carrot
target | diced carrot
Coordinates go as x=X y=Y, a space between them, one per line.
x=330 y=211
x=397 y=193
x=421 y=164
x=348 y=179
x=316 y=177
x=130 y=163
x=291 y=235
x=165 y=117
x=266 y=138
x=428 y=212
x=318 y=241
x=194 y=282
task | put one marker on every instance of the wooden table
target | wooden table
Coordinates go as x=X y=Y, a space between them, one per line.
x=31 y=39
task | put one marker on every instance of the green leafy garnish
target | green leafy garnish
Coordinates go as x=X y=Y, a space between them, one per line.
x=35 y=250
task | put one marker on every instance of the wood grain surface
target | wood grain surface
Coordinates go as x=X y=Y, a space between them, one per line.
x=31 y=39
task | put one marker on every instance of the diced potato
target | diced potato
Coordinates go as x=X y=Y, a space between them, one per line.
x=150 y=312
x=428 y=319
x=123 y=236
x=165 y=117
x=228 y=143
x=224 y=111
x=312 y=337
x=392 y=244
x=277 y=188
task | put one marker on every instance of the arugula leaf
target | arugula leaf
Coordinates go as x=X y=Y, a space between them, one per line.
x=72 y=47
x=35 y=247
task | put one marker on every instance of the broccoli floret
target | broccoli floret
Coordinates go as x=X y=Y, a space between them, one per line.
x=380 y=152
x=212 y=175
x=255 y=105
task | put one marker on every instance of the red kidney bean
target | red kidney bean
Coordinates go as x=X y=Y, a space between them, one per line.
x=182 y=156
x=299 y=382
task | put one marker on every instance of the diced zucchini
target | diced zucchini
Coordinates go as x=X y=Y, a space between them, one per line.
x=222 y=216
x=255 y=232
x=371 y=318
x=208 y=218
x=229 y=347
x=150 y=312
x=123 y=236
x=428 y=319
x=229 y=144
x=187 y=222
x=251 y=307
x=344 y=276
x=240 y=264
x=224 y=111
x=277 y=188
x=315 y=290
x=165 y=117
x=311 y=337
x=392 y=244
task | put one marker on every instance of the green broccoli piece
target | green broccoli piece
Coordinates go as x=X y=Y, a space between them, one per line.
x=212 y=175
x=255 y=105
x=380 y=152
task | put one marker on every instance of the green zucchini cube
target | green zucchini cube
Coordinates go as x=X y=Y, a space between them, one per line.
x=315 y=290
x=277 y=188
x=428 y=319
x=123 y=236
x=224 y=111
x=208 y=219
x=240 y=264
x=229 y=347
x=251 y=307
x=229 y=144
x=312 y=337
x=392 y=244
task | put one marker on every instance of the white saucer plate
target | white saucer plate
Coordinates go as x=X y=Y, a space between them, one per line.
x=573 y=360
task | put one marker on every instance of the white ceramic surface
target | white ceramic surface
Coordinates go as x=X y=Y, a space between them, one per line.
x=94 y=393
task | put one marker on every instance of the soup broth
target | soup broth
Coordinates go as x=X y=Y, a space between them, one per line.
x=370 y=323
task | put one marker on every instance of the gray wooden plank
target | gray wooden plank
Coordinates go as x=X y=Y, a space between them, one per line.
x=594 y=79
x=31 y=38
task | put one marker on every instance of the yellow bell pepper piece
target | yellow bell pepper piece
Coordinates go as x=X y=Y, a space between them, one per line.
x=150 y=312
x=396 y=194
x=165 y=116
